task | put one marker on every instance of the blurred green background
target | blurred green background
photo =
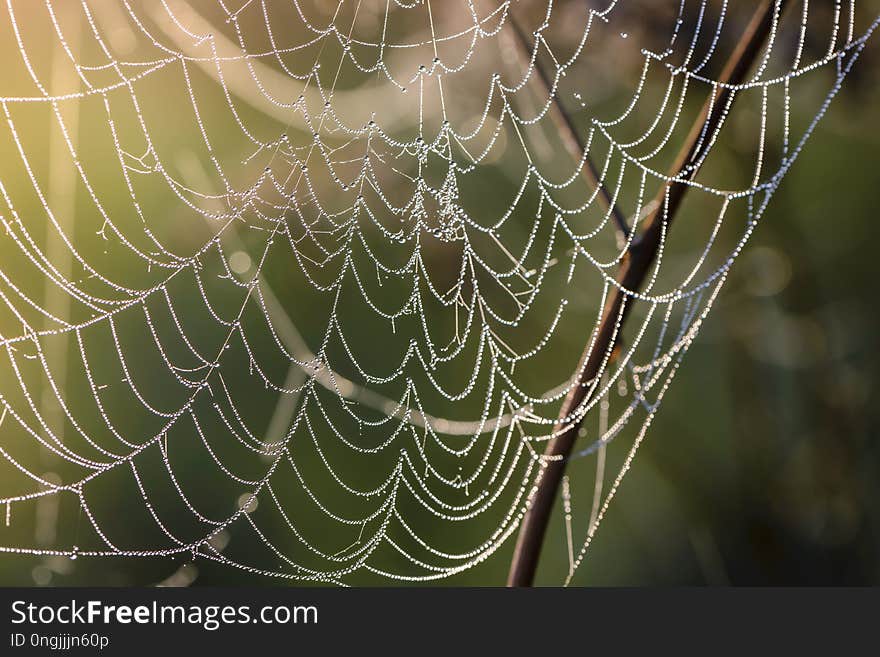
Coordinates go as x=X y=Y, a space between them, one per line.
x=762 y=466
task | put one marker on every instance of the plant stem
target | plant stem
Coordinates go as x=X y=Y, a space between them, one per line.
x=571 y=138
x=635 y=265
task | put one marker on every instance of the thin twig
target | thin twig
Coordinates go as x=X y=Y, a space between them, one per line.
x=636 y=264
x=571 y=138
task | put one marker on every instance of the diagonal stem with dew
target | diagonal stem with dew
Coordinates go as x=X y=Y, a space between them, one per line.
x=635 y=266
x=571 y=138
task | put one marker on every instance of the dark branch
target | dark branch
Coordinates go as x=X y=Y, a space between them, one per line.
x=634 y=269
x=571 y=138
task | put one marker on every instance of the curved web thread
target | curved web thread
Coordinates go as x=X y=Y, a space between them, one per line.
x=298 y=287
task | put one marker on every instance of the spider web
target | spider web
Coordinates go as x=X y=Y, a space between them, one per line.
x=298 y=287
